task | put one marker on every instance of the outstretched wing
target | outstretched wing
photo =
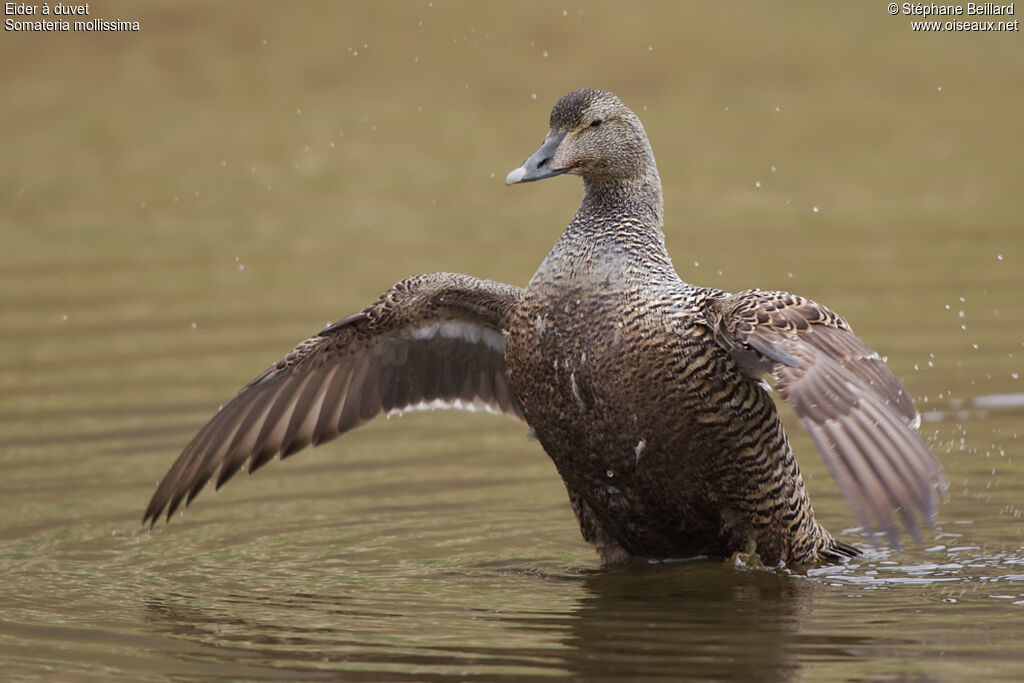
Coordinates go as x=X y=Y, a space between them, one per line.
x=856 y=410
x=430 y=341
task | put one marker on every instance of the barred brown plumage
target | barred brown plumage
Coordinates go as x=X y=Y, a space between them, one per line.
x=646 y=392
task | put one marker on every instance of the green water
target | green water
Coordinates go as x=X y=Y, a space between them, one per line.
x=179 y=206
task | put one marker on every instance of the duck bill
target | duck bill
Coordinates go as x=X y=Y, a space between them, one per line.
x=538 y=165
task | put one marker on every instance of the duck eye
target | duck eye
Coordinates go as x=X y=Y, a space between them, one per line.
x=595 y=123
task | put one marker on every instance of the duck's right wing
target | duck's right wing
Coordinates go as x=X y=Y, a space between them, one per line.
x=431 y=341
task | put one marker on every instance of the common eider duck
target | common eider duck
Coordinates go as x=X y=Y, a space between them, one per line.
x=648 y=393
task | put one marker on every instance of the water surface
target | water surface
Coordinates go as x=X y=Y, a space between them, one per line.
x=182 y=205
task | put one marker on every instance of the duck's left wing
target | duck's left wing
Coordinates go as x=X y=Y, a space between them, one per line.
x=856 y=410
x=433 y=340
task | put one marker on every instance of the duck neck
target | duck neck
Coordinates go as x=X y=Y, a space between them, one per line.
x=637 y=197
x=618 y=219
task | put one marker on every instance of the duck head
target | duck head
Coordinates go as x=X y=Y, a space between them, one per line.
x=593 y=135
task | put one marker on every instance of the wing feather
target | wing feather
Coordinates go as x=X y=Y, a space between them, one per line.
x=857 y=412
x=430 y=341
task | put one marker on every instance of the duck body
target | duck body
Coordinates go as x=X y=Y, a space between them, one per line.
x=647 y=393
x=615 y=368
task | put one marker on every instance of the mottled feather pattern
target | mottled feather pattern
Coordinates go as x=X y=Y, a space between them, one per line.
x=647 y=392
x=681 y=373
x=855 y=409
x=715 y=474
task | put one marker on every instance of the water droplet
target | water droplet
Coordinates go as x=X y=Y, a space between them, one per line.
x=757 y=183
x=545 y=53
x=815 y=209
x=610 y=474
x=195 y=325
x=999 y=257
x=533 y=96
x=773 y=169
x=64 y=317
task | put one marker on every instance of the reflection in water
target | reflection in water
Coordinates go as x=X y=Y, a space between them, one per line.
x=975 y=408
x=694 y=620
x=886 y=613
x=701 y=621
